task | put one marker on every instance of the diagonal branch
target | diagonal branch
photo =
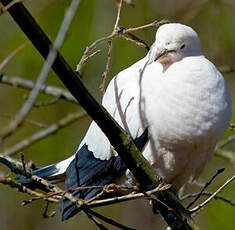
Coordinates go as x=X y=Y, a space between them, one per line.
x=197 y=208
x=19 y=118
x=206 y=193
x=204 y=187
x=53 y=128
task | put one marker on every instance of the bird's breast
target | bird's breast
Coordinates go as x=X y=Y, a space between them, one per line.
x=186 y=105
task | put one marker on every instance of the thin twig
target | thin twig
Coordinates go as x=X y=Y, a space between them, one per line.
x=153 y=24
x=36 y=123
x=46 y=103
x=204 y=188
x=52 y=129
x=206 y=193
x=21 y=188
x=119 y=6
x=115 y=29
x=117 y=33
x=197 y=208
x=54 y=188
x=80 y=65
x=97 y=223
x=45 y=215
x=108 y=220
x=136 y=40
x=15 y=162
x=226 y=69
x=225 y=154
x=12 y=54
x=119 y=199
x=13 y=167
x=225 y=142
x=55 y=191
x=19 y=118
x=105 y=73
x=24 y=165
x=54 y=91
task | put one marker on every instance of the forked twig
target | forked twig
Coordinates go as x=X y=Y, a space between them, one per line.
x=115 y=29
x=118 y=33
x=204 y=188
x=200 y=206
x=206 y=193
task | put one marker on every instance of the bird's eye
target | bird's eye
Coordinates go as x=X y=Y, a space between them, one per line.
x=182 y=46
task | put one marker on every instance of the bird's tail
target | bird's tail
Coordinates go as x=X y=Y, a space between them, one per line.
x=87 y=171
x=53 y=172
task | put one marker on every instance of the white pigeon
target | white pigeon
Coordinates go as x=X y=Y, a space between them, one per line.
x=175 y=105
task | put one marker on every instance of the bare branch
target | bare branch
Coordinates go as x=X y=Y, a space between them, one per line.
x=45 y=215
x=52 y=129
x=225 y=142
x=226 y=69
x=117 y=33
x=107 y=220
x=46 y=103
x=21 y=188
x=200 y=206
x=136 y=40
x=105 y=73
x=118 y=199
x=36 y=123
x=206 y=193
x=205 y=186
x=97 y=223
x=153 y=24
x=80 y=65
x=46 y=89
x=13 y=161
x=225 y=154
x=115 y=28
x=19 y=118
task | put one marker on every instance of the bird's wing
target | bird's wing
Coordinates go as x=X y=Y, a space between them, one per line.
x=121 y=100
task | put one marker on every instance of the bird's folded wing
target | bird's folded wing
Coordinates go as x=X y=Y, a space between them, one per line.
x=121 y=100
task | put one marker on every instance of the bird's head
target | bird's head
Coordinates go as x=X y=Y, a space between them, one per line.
x=173 y=42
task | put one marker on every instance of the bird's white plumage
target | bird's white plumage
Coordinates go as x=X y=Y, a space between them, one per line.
x=179 y=96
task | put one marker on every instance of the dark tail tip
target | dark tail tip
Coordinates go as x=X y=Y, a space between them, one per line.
x=68 y=209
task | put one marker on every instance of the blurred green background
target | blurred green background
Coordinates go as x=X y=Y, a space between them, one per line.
x=214 y=21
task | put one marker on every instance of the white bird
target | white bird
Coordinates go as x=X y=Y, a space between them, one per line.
x=175 y=105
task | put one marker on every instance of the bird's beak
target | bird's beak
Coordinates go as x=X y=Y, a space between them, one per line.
x=161 y=52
